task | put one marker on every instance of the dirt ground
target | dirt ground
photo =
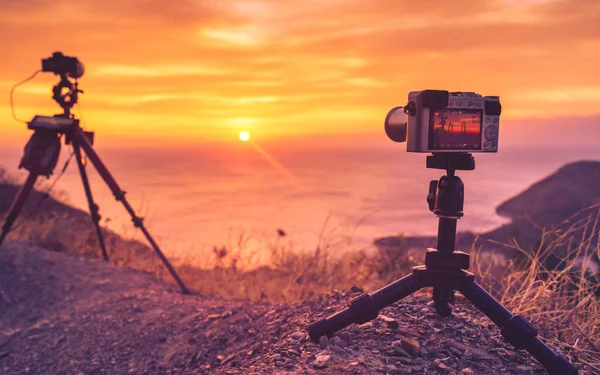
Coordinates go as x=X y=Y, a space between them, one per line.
x=65 y=314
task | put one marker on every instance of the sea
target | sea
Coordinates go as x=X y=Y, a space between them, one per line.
x=194 y=198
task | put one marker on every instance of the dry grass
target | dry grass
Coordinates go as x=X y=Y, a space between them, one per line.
x=561 y=301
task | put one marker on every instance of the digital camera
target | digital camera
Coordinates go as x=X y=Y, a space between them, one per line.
x=61 y=64
x=442 y=121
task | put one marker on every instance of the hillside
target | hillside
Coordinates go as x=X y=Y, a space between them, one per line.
x=49 y=222
x=566 y=201
x=566 y=192
x=63 y=313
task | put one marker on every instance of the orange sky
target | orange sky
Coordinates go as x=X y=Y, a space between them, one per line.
x=190 y=69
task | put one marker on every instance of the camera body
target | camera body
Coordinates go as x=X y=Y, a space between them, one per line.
x=63 y=65
x=440 y=121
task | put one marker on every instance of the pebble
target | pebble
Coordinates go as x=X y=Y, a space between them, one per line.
x=356 y=289
x=337 y=341
x=321 y=361
x=406 y=361
x=298 y=336
x=411 y=346
x=323 y=341
x=390 y=322
x=213 y=317
x=440 y=365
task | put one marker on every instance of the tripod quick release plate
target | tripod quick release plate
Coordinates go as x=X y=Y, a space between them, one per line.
x=54 y=123
x=451 y=161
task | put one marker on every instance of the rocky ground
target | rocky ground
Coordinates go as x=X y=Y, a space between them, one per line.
x=65 y=314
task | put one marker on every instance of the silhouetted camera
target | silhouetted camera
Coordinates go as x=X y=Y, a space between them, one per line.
x=61 y=64
x=441 y=121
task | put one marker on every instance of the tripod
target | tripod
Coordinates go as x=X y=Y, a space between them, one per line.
x=41 y=155
x=445 y=271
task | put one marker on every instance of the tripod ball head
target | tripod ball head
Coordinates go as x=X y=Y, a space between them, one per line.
x=60 y=64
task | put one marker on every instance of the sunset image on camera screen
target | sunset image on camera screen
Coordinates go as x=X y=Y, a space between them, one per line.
x=456 y=129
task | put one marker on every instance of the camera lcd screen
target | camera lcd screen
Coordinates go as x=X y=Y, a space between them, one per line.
x=455 y=129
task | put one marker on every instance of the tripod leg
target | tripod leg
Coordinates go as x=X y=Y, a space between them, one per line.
x=17 y=205
x=365 y=307
x=93 y=206
x=443 y=299
x=119 y=194
x=517 y=330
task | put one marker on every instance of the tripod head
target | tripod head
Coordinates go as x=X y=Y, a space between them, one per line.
x=446 y=197
x=66 y=94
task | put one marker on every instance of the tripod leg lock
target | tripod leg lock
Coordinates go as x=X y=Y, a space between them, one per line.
x=119 y=195
x=519 y=332
x=94 y=211
x=363 y=308
x=137 y=221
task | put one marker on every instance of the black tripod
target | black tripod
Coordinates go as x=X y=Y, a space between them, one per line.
x=41 y=155
x=444 y=270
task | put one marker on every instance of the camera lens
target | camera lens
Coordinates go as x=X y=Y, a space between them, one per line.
x=395 y=124
x=78 y=71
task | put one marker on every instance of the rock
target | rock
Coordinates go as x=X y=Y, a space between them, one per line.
x=467 y=371
x=423 y=352
x=390 y=322
x=411 y=346
x=440 y=365
x=397 y=350
x=213 y=317
x=406 y=361
x=298 y=336
x=337 y=341
x=481 y=355
x=321 y=361
x=356 y=289
x=323 y=341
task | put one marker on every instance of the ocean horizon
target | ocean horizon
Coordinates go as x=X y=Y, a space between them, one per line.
x=195 y=198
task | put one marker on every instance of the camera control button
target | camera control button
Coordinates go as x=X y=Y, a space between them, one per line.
x=487 y=144
x=491 y=133
x=470 y=104
x=494 y=144
x=487 y=120
x=495 y=121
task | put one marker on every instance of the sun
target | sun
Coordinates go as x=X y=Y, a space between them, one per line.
x=244 y=136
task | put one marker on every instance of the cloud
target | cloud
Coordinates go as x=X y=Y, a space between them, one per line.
x=296 y=62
